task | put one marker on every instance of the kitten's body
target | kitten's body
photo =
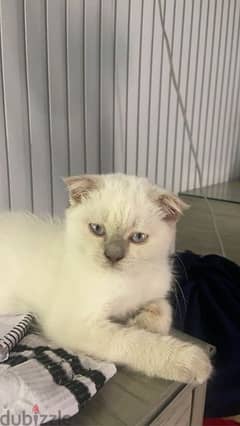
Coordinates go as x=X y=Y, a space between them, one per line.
x=58 y=271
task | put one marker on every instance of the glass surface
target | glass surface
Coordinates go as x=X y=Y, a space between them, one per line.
x=228 y=191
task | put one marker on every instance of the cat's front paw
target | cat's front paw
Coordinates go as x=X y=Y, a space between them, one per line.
x=154 y=317
x=151 y=322
x=191 y=365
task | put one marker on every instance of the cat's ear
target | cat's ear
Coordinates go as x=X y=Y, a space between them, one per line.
x=170 y=205
x=79 y=187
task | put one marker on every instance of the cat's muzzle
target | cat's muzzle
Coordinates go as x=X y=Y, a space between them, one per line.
x=115 y=250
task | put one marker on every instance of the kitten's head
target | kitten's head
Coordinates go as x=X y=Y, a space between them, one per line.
x=121 y=221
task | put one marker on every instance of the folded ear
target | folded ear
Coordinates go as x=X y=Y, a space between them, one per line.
x=79 y=187
x=170 y=205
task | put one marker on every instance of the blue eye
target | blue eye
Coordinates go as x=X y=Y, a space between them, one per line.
x=138 y=237
x=97 y=229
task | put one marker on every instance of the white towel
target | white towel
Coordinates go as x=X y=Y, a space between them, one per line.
x=40 y=382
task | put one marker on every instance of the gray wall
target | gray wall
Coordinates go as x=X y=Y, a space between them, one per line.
x=63 y=63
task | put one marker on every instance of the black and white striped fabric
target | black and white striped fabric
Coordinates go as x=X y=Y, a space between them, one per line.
x=43 y=381
x=11 y=335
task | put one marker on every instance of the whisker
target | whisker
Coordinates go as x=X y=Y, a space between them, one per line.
x=177 y=301
x=181 y=292
x=180 y=260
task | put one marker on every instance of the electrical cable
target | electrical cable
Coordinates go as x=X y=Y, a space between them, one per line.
x=188 y=130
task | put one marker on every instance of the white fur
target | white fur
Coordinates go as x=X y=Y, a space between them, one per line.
x=57 y=269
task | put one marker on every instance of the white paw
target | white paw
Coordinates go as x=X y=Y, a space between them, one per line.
x=155 y=317
x=191 y=365
x=162 y=325
x=151 y=322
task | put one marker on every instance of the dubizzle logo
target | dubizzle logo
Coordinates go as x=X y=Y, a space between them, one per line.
x=34 y=419
x=35 y=409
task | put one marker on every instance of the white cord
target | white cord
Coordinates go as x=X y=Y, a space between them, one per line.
x=189 y=133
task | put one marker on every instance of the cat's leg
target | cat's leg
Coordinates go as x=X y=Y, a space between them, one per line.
x=155 y=355
x=155 y=317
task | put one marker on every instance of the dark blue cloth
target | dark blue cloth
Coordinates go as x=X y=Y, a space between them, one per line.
x=208 y=307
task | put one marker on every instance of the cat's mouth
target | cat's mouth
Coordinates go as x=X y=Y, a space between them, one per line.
x=113 y=264
x=116 y=265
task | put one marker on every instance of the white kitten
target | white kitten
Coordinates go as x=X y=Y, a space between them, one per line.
x=107 y=260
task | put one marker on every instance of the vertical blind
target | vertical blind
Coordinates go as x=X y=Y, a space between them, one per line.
x=85 y=87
